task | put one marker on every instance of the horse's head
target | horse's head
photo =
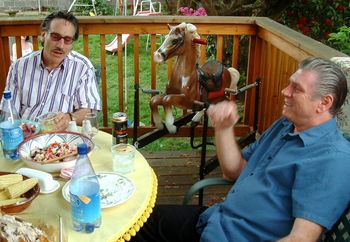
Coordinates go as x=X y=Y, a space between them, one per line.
x=180 y=38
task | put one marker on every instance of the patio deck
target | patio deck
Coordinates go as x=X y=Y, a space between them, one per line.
x=177 y=171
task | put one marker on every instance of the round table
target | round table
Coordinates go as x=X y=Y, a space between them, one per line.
x=120 y=222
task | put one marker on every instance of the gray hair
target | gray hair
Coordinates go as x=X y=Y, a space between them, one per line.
x=331 y=80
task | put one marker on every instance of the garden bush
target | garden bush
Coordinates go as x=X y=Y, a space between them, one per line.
x=318 y=19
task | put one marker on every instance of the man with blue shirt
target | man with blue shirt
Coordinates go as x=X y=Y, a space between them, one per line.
x=289 y=183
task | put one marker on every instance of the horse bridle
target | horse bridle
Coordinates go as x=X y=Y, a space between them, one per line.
x=175 y=47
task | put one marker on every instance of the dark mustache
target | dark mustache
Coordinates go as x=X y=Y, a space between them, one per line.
x=59 y=49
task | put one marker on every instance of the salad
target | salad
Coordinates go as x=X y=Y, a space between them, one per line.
x=52 y=152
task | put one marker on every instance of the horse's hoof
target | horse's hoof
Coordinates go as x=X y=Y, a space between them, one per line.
x=171 y=128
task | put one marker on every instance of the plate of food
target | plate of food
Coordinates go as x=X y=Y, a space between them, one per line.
x=115 y=189
x=30 y=128
x=22 y=227
x=52 y=152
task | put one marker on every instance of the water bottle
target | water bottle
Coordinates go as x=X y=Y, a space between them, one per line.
x=84 y=190
x=10 y=131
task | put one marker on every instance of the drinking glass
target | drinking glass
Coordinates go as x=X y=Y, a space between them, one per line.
x=93 y=129
x=48 y=121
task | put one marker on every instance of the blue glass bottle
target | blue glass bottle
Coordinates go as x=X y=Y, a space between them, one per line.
x=10 y=132
x=84 y=192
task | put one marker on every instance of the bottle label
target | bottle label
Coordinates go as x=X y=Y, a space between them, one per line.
x=11 y=137
x=86 y=205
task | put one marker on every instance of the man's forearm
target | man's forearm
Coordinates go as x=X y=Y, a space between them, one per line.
x=303 y=230
x=229 y=154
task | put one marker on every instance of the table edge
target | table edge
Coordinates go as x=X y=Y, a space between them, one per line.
x=137 y=225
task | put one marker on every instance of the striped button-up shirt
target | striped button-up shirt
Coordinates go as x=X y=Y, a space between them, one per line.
x=36 y=90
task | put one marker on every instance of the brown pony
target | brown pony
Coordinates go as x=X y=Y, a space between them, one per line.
x=188 y=83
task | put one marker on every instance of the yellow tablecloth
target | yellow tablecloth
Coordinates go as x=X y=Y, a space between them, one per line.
x=119 y=222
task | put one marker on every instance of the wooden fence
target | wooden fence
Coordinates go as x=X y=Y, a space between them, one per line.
x=272 y=53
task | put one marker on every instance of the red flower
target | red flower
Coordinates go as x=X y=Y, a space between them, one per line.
x=306 y=30
x=328 y=22
x=303 y=20
x=300 y=26
x=326 y=34
x=341 y=8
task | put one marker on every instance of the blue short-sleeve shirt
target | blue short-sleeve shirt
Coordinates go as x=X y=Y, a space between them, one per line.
x=288 y=175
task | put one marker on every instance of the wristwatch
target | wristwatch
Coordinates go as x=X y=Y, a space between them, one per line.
x=71 y=116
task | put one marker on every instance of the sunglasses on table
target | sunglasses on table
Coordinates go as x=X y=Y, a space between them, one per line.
x=57 y=37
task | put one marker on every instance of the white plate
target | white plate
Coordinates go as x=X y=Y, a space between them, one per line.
x=115 y=189
x=54 y=188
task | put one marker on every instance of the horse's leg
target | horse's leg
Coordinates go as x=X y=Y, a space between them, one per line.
x=169 y=119
x=154 y=103
x=178 y=100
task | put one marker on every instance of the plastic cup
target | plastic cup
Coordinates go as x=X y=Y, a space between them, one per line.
x=123 y=156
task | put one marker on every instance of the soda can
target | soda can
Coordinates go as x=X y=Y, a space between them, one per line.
x=122 y=139
x=119 y=127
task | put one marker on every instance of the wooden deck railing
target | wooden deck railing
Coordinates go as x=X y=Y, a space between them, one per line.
x=273 y=53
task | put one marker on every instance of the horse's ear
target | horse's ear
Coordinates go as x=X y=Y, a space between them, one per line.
x=169 y=27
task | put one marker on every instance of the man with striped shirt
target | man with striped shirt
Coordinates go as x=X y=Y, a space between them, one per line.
x=56 y=78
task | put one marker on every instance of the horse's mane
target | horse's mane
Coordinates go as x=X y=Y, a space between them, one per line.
x=190 y=28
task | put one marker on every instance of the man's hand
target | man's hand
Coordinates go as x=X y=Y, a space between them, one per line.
x=62 y=121
x=223 y=115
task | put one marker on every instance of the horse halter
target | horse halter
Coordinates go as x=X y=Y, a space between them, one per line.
x=175 y=47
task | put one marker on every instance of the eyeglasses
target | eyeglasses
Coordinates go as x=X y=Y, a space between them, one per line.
x=57 y=37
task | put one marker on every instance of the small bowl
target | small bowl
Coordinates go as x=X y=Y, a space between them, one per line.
x=43 y=141
x=20 y=206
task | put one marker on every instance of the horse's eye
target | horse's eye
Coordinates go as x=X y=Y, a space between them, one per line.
x=174 y=41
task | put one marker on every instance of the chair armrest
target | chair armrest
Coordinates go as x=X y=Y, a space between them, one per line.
x=202 y=184
x=341 y=229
